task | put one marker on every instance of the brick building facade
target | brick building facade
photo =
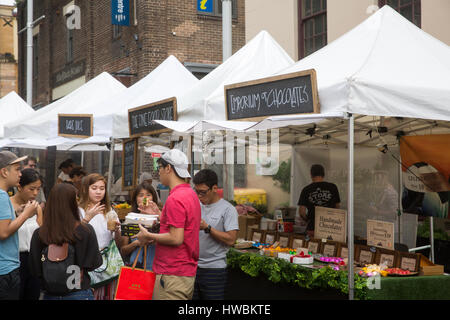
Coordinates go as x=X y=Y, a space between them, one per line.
x=64 y=59
x=8 y=50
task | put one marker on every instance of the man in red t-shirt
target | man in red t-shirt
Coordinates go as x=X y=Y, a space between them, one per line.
x=177 y=244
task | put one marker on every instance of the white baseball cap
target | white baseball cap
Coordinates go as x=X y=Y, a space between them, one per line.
x=179 y=162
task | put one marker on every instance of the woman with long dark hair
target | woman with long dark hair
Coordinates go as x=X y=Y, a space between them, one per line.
x=143 y=200
x=29 y=186
x=95 y=207
x=61 y=225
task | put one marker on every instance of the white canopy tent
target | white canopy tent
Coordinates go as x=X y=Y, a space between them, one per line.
x=42 y=130
x=384 y=74
x=260 y=57
x=376 y=75
x=169 y=79
x=12 y=107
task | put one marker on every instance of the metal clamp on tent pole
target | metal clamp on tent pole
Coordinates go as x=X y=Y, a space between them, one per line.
x=419 y=248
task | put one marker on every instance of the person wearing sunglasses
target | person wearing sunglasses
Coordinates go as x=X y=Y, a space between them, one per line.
x=218 y=231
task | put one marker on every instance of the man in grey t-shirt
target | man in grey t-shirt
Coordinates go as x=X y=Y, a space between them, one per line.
x=218 y=231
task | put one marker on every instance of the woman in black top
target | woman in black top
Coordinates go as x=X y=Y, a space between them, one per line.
x=61 y=224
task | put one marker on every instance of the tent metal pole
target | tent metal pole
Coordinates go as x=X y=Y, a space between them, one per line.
x=110 y=167
x=400 y=190
x=82 y=158
x=351 y=127
x=432 y=238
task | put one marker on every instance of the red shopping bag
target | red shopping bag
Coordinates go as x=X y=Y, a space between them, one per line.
x=135 y=283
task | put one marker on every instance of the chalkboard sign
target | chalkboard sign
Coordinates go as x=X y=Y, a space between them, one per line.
x=75 y=125
x=293 y=93
x=129 y=164
x=140 y=119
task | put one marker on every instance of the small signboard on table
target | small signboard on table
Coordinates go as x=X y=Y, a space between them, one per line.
x=141 y=119
x=293 y=93
x=75 y=125
x=330 y=224
x=380 y=234
x=129 y=164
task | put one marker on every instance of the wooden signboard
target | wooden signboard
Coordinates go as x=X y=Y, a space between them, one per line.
x=75 y=125
x=270 y=237
x=129 y=163
x=314 y=245
x=256 y=235
x=387 y=256
x=293 y=93
x=330 y=224
x=408 y=261
x=140 y=119
x=343 y=251
x=284 y=239
x=380 y=234
x=365 y=254
x=297 y=241
x=330 y=248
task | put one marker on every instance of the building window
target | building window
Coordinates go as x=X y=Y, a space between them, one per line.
x=117 y=31
x=217 y=8
x=313 y=26
x=35 y=66
x=199 y=70
x=410 y=9
x=35 y=57
x=69 y=55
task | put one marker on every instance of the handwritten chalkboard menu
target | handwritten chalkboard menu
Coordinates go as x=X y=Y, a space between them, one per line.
x=75 y=125
x=140 y=119
x=129 y=164
x=294 y=93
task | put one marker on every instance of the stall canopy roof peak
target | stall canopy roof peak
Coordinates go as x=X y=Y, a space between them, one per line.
x=385 y=66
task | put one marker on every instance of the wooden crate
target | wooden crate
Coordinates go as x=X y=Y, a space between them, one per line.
x=428 y=268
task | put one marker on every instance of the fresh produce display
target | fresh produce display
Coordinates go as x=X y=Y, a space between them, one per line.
x=122 y=206
x=372 y=270
x=397 y=271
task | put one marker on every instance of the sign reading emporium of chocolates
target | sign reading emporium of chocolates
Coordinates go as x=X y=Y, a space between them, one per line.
x=141 y=119
x=330 y=224
x=293 y=93
x=75 y=125
x=380 y=234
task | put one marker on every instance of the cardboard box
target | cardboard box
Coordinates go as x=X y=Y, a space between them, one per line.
x=244 y=222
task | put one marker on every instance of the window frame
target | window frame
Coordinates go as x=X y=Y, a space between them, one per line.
x=399 y=6
x=69 y=43
x=216 y=13
x=301 y=29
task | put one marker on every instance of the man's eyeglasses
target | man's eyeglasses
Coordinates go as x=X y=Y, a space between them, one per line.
x=202 y=193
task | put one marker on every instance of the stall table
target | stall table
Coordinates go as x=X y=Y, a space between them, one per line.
x=243 y=286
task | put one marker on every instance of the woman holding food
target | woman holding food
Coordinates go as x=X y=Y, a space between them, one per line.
x=28 y=190
x=95 y=209
x=144 y=200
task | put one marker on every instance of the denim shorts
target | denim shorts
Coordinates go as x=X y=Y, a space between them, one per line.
x=78 y=295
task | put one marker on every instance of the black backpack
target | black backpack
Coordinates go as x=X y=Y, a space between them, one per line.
x=56 y=268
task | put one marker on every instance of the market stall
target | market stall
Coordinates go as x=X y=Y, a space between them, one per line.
x=369 y=96
x=12 y=107
x=262 y=277
x=359 y=77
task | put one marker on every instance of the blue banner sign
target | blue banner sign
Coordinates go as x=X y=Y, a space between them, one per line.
x=120 y=12
x=205 y=6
